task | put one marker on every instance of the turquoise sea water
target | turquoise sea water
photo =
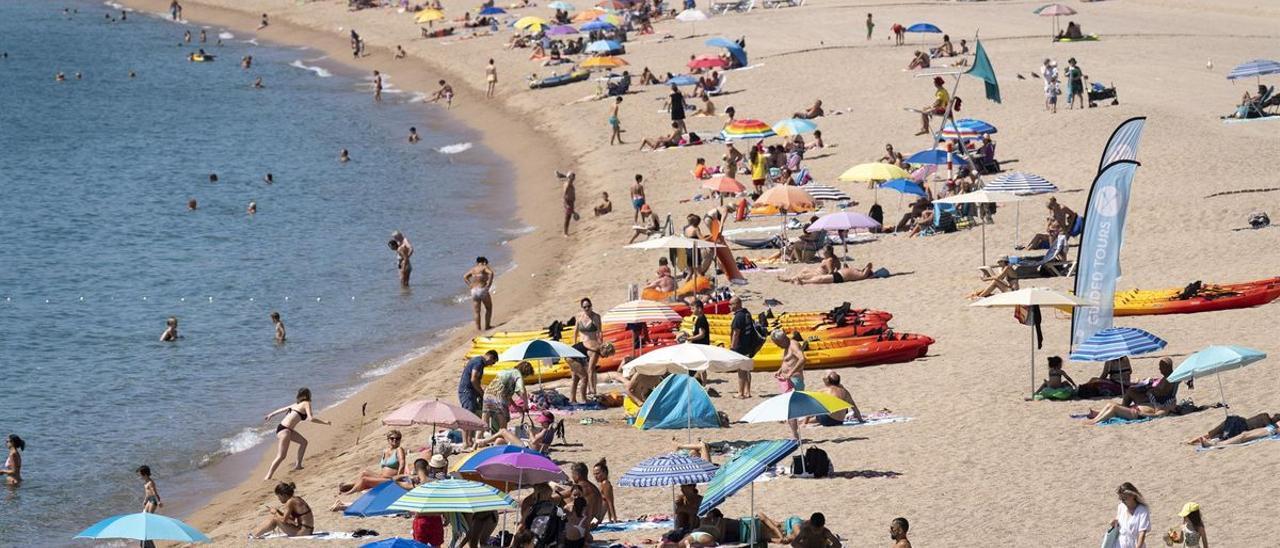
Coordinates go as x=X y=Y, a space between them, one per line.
x=97 y=248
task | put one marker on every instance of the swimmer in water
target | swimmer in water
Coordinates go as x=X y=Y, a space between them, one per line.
x=413 y=135
x=257 y=83
x=344 y=156
x=213 y=177
x=203 y=37
x=150 y=494
x=480 y=280
x=404 y=252
x=377 y=86
x=170 y=331
x=60 y=77
x=276 y=321
x=186 y=36
x=133 y=74
x=268 y=178
x=192 y=205
x=78 y=75
x=246 y=62
x=253 y=208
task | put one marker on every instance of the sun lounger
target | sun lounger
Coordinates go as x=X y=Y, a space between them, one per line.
x=774 y=4
x=719 y=89
x=737 y=6
x=1051 y=264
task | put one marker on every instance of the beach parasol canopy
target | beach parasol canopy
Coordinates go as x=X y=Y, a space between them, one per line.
x=937 y=157
x=375 y=501
x=981 y=197
x=612 y=4
x=468 y=466
x=1032 y=296
x=1116 y=342
x=641 y=311
x=685 y=357
x=603 y=46
x=429 y=15
x=143 y=526
x=1256 y=68
x=874 y=171
x=708 y=61
x=611 y=19
x=742 y=470
x=587 y=15
x=492 y=10
x=1214 y=360
x=794 y=126
x=560 y=5
x=924 y=27
x=1022 y=184
x=691 y=16
x=746 y=128
x=844 y=220
x=966 y=128
x=561 y=30
x=522 y=469
x=605 y=62
x=597 y=25
x=539 y=349
x=787 y=197
x=453 y=495
x=826 y=193
x=796 y=404
x=723 y=184
x=905 y=186
x=674 y=242
x=395 y=542
x=668 y=470
x=531 y=23
x=435 y=413
x=735 y=50
x=1055 y=11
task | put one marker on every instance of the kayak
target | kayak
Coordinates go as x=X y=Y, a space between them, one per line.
x=560 y=79
x=1210 y=297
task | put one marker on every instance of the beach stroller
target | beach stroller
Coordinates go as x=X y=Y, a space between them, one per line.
x=1099 y=92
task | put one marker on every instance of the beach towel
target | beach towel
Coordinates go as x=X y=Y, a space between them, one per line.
x=873 y=420
x=1251 y=442
x=318 y=535
x=632 y=525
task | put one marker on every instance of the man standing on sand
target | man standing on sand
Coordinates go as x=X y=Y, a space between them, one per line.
x=743 y=339
x=570 y=196
x=175 y=10
x=871 y=26
x=480 y=280
x=637 y=197
x=404 y=250
x=377 y=86
x=898 y=533
x=470 y=391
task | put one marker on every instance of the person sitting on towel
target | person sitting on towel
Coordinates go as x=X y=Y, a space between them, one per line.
x=831 y=385
x=1058 y=379
x=1154 y=406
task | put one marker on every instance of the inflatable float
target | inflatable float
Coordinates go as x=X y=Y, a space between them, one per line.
x=560 y=79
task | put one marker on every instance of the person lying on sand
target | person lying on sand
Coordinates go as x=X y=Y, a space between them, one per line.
x=811 y=533
x=829 y=263
x=539 y=439
x=423 y=471
x=812 y=112
x=665 y=141
x=1137 y=411
x=844 y=274
x=1236 y=429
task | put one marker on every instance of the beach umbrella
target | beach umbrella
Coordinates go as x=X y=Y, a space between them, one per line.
x=674 y=242
x=429 y=15
x=981 y=197
x=668 y=470
x=1116 y=342
x=587 y=15
x=1256 y=68
x=613 y=4
x=522 y=468
x=708 y=61
x=685 y=357
x=905 y=186
x=603 y=46
x=143 y=526
x=1214 y=360
x=597 y=25
x=746 y=128
x=468 y=466
x=844 y=220
x=641 y=311
x=741 y=471
x=605 y=62
x=965 y=129
x=691 y=16
x=375 y=501
x=827 y=193
x=723 y=184
x=874 y=171
x=435 y=413
x=1054 y=11
x=531 y=23
x=1022 y=184
x=453 y=495
x=395 y=542
x=735 y=50
x=611 y=19
x=794 y=126
x=796 y=404
x=560 y=5
x=492 y=10
x=1032 y=296
x=787 y=197
x=561 y=30
x=924 y=27
x=937 y=157
x=539 y=349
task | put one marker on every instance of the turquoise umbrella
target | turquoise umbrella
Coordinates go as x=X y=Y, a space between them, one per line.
x=1214 y=360
x=143 y=526
x=452 y=495
x=794 y=126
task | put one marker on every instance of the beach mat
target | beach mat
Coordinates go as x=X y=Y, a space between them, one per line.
x=632 y=525
x=874 y=420
x=318 y=535
x=1247 y=443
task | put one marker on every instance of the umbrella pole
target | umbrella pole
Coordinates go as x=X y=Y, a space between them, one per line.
x=1033 y=360
x=1221 y=395
x=1017 y=223
x=984 y=244
x=752 y=517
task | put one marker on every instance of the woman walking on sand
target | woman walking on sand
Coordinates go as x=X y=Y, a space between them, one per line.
x=614 y=124
x=491 y=79
x=1133 y=519
x=286 y=433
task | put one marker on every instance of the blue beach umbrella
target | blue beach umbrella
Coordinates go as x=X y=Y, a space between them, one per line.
x=603 y=46
x=395 y=542
x=1116 y=342
x=683 y=80
x=559 y=5
x=375 y=501
x=924 y=27
x=492 y=10
x=143 y=526
x=539 y=349
x=905 y=186
x=597 y=25
x=794 y=126
x=937 y=157
x=1214 y=360
x=561 y=30
x=966 y=128
x=735 y=50
x=1256 y=68
x=667 y=470
x=742 y=470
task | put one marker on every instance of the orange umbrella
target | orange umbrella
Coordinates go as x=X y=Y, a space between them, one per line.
x=723 y=185
x=787 y=197
x=604 y=62
x=587 y=15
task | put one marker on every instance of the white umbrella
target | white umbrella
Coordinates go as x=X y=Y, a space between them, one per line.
x=685 y=357
x=981 y=197
x=673 y=242
x=691 y=16
x=1032 y=296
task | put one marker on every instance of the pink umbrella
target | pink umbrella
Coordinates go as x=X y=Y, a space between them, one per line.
x=843 y=220
x=1054 y=10
x=522 y=469
x=708 y=62
x=435 y=413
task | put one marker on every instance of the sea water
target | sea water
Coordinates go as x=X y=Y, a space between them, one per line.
x=98 y=248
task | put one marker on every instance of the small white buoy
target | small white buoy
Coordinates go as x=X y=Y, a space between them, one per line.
x=1209 y=65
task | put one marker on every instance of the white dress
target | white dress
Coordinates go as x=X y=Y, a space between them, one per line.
x=1132 y=524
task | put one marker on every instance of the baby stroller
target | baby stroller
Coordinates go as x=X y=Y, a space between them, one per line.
x=1099 y=92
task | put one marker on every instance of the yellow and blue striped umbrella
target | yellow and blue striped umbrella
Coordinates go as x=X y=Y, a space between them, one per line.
x=795 y=405
x=453 y=495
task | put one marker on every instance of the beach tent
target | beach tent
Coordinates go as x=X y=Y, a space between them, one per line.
x=375 y=501
x=678 y=402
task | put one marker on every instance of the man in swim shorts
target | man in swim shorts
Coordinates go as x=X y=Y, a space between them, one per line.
x=570 y=195
x=404 y=251
x=480 y=280
x=637 y=197
x=939 y=107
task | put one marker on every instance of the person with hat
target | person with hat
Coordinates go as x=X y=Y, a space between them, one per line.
x=647 y=226
x=1191 y=534
x=939 y=107
x=1049 y=73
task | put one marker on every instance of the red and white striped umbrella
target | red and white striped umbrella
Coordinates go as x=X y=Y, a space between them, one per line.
x=641 y=311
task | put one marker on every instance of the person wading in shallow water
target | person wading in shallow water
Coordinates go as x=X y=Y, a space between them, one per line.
x=480 y=280
x=404 y=251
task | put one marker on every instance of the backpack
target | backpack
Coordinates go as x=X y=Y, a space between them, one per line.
x=1259 y=220
x=751 y=339
x=546 y=522
x=817 y=463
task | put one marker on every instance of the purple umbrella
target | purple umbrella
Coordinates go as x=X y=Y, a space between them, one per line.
x=561 y=30
x=844 y=220
x=521 y=468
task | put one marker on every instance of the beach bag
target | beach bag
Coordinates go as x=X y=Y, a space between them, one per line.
x=1111 y=539
x=1259 y=220
x=546 y=522
x=817 y=463
x=1099 y=388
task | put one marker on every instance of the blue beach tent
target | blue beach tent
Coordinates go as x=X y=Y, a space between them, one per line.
x=678 y=402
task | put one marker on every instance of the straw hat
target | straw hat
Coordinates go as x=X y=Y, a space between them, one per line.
x=437 y=461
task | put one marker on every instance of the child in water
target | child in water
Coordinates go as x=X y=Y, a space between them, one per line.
x=150 y=494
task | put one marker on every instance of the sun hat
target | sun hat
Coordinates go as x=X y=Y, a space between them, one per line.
x=1188 y=508
x=437 y=461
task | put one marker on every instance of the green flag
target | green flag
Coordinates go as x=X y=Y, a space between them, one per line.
x=982 y=70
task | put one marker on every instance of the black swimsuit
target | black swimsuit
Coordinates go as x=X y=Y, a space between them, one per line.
x=281 y=427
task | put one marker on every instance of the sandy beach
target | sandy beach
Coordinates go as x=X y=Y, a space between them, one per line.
x=977 y=465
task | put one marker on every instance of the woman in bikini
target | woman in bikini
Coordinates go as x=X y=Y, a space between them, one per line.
x=577 y=522
x=12 y=469
x=285 y=433
x=294 y=519
x=392 y=463
x=588 y=326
